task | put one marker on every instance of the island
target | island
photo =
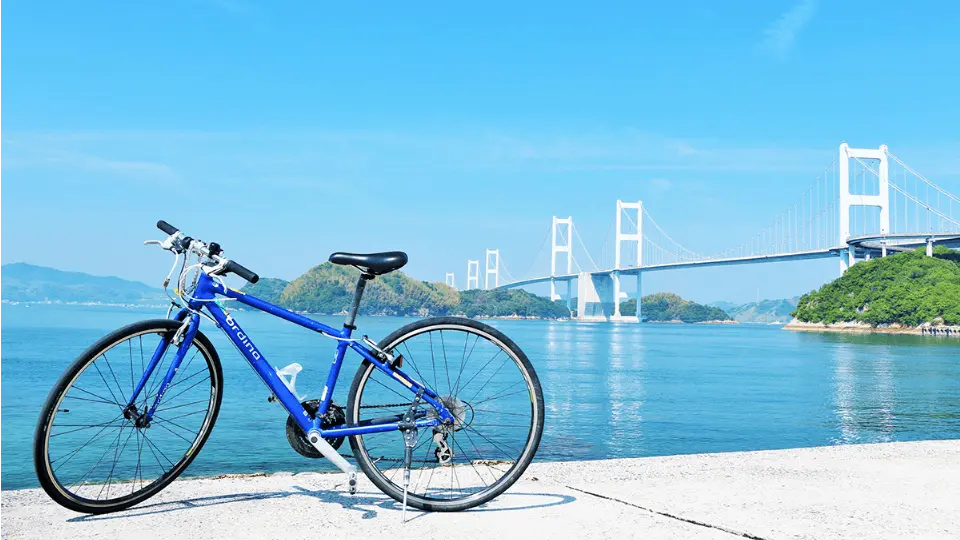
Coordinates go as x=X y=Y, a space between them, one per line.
x=670 y=307
x=908 y=292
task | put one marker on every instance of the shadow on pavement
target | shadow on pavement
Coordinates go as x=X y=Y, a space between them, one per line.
x=366 y=503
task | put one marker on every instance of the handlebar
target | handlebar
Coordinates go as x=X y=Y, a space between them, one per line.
x=167 y=228
x=211 y=251
x=239 y=270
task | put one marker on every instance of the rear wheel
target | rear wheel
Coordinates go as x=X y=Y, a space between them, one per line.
x=485 y=381
x=90 y=455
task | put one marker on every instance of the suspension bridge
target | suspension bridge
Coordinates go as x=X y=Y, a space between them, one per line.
x=866 y=203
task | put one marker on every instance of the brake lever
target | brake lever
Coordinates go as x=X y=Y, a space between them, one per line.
x=167 y=244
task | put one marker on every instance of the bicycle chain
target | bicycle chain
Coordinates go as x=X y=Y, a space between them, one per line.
x=388 y=405
x=394 y=460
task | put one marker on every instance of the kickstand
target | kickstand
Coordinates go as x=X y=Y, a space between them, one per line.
x=408 y=426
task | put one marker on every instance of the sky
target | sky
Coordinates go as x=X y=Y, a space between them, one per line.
x=287 y=131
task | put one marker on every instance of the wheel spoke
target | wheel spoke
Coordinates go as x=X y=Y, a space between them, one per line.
x=479 y=455
x=497 y=446
x=491 y=371
x=114 y=375
x=93 y=456
x=443 y=348
x=433 y=360
x=84 y=445
x=409 y=356
x=481 y=369
x=463 y=360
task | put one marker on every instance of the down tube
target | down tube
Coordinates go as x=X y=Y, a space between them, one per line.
x=263 y=368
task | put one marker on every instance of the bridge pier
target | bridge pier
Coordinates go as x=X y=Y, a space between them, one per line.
x=616 y=293
x=598 y=298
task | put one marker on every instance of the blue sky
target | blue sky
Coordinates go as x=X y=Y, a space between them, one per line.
x=286 y=131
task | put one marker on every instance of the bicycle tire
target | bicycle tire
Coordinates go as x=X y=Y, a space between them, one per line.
x=41 y=448
x=395 y=491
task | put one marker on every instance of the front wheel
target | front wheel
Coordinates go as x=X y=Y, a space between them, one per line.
x=484 y=380
x=91 y=454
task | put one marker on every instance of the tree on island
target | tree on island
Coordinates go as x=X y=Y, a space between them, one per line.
x=907 y=288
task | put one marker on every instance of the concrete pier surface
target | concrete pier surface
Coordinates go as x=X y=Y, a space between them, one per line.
x=893 y=490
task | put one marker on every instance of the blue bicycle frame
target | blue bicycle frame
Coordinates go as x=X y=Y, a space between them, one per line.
x=204 y=296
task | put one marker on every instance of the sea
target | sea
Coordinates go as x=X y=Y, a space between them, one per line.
x=611 y=390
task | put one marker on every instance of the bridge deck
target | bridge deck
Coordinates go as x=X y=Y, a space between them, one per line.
x=751 y=259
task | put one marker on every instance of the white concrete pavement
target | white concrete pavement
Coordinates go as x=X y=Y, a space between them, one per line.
x=896 y=490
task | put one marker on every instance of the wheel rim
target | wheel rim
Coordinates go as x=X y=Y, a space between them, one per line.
x=489 y=390
x=96 y=456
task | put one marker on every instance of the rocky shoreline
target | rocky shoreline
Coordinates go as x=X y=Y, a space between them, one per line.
x=925 y=329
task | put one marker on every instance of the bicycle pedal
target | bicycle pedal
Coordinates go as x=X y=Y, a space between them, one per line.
x=352 y=483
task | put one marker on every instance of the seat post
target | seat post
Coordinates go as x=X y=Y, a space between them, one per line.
x=357 y=295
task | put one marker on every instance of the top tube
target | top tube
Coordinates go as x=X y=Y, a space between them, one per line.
x=207 y=288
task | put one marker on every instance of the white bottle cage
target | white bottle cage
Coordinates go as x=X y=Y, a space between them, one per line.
x=291 y=371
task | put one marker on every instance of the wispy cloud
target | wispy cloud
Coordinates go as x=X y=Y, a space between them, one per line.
x=779 y=37
x=28 y=155
x=346 y=154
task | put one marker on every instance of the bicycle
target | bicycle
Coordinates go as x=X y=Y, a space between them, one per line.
x=138 y=417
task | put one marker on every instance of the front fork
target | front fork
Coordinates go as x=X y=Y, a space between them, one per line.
x=182 y=339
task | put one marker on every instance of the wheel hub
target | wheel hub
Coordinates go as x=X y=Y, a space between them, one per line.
x=139 y=420
x=461 y=411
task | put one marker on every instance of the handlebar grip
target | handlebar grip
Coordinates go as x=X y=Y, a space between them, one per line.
x=167 y=228
x=242 y=272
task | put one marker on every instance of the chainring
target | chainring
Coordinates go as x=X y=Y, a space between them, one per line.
x=298 y=439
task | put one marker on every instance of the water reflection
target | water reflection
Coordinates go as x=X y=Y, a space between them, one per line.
x=625 y=384
x=888 y=386
x=565 y=350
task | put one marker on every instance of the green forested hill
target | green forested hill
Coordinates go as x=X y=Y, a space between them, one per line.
x=267 y=289
x=907 y=288
x=510 y=302
x=329 y=289
x=671 y=307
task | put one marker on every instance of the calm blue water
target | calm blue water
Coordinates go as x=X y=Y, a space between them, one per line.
x=610 y=390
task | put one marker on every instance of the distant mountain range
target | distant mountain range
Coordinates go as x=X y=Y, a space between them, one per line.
x=329 y=289
x=324 y=289
x=22 y=282
x=764 y=311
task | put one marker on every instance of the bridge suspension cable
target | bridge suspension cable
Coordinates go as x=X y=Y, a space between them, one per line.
x=577 y=234
x=936 y=212
x=533 y=263
x=506 y=271
x=809 y=224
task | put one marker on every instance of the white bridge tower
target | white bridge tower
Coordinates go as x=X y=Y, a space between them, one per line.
x=451 y=282
x=848 y=199
x=493 y=268
x=567 y=248
x=473 y=275
x=635 y=238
